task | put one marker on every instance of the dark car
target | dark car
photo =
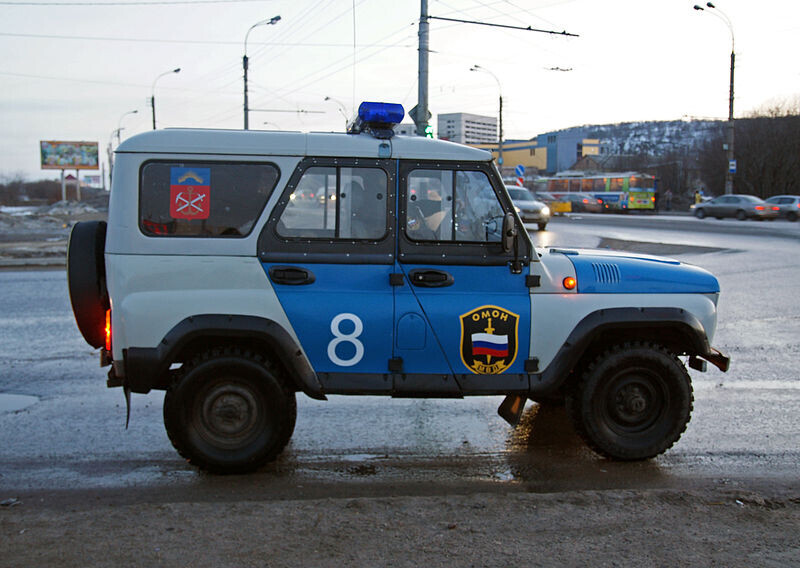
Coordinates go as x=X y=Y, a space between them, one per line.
x=788 y=205
x=530 y=210
x=583 y=202
x=735 y=205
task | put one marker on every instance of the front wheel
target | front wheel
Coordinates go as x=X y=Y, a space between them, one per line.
x=700 y=213
x=741 y=215
x=230 y=412
x=542 y=226
x=633 y=402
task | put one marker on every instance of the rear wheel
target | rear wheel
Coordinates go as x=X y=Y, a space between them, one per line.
x=791 y=216
x=741 y=215
x=633 y=402
x=230 y=412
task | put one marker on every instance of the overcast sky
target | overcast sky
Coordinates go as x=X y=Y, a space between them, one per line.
x=72 y=70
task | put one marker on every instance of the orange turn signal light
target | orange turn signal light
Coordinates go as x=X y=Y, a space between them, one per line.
x=569 y=283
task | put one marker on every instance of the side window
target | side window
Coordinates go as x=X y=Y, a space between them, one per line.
x=337 y=203
x=203 y=199
x=447 y=205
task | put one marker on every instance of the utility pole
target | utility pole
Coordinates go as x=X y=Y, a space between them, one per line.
x=421 y=111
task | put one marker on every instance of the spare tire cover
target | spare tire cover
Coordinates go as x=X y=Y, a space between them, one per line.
x=86 y=275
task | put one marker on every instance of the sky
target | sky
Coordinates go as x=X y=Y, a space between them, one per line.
x=75 y=69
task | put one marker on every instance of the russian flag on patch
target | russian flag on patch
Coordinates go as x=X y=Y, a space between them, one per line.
x=489 y=344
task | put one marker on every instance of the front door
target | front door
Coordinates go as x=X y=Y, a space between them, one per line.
x=472 y=293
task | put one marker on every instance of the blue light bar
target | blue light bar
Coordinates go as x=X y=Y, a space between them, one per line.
x=381 y=113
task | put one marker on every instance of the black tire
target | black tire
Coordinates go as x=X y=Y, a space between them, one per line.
x=230 y=412
x=741 y=215
x=542 y=226
x=700 y=213
x=633 y=402
x=791 y=216
x=86 y=277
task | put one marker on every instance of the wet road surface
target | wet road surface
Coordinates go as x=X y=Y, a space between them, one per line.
x=63 y=432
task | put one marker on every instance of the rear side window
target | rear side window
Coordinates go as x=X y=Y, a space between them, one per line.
x=203 y=199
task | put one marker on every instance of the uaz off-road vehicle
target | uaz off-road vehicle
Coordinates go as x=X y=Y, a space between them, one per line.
x=238 y=268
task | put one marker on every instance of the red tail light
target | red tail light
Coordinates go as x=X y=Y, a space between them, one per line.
x=586 y=201
x=776 y=208
x=108 y=330
x=759 y=207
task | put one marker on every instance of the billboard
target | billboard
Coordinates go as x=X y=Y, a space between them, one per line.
x=61 y=155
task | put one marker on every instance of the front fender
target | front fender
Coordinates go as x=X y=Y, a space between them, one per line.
x=684 y=330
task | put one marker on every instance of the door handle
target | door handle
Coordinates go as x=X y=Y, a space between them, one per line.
x=291 y=275
x=428 y=278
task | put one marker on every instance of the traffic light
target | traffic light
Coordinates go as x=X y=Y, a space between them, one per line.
x=429 y=131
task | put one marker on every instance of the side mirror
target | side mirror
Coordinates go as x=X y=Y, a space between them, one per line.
x=509 y=232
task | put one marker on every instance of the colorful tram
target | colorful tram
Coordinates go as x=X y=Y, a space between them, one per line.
x=619 y=191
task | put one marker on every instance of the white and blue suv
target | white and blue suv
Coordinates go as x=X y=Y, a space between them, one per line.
x=238 y=268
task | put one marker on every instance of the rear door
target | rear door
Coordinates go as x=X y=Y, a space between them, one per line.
x=329 y=250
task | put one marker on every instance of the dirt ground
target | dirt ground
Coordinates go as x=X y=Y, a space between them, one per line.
x=610 y=528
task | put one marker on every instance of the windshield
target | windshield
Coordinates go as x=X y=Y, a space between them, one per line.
x=520 y=194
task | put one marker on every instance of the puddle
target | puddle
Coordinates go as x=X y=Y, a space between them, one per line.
x=14 y=402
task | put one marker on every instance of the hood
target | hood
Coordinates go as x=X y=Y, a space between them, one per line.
x=616 y=272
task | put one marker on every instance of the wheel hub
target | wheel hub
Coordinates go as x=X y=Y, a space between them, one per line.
x=229 y=412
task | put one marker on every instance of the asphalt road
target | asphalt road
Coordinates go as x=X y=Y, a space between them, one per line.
x=64 y=437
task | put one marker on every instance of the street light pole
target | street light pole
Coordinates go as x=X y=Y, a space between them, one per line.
x=153 y=92
x=341 y=109
x=500 y=134
x=272 y=21
x=731 y=167
x=119 y=123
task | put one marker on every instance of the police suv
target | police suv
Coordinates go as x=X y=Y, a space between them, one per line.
x=238 y=268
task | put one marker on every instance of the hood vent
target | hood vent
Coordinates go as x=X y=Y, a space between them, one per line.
x=606 y=273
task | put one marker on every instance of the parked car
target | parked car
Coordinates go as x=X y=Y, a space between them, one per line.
x=788 y=205
x=557 y=206
x=583 y=202
x=735 y=205
x=530 y=210
x=209 y=284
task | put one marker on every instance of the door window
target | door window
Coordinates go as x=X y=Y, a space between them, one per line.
x=337 y=203
x=448 y=205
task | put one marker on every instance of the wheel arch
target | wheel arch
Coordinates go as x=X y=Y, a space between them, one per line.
x=149 y=368
x=674 y=328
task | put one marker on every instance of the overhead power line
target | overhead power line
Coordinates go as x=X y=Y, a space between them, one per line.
x=523 y=28
x=132 y=3
x=185 y=41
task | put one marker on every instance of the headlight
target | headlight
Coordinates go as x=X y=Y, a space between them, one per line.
x=517 y=209
x=545 y=210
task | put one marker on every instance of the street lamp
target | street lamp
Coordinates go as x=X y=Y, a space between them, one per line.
x=119 y=124
x=153 y=92
x=731 y=169
x=500 y=89
x=342 y=110
x=270 y=22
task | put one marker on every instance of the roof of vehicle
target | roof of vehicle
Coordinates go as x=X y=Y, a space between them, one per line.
x=261 y=143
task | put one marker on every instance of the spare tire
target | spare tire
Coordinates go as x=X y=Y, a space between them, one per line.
x=86 y=275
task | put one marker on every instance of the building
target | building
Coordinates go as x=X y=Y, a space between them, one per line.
x=565 y=147
x=405 y=129
x=525 y=153
x=466 y=128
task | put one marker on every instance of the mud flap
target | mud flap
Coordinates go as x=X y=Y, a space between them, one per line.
x=511 y=408
x=127 y=392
